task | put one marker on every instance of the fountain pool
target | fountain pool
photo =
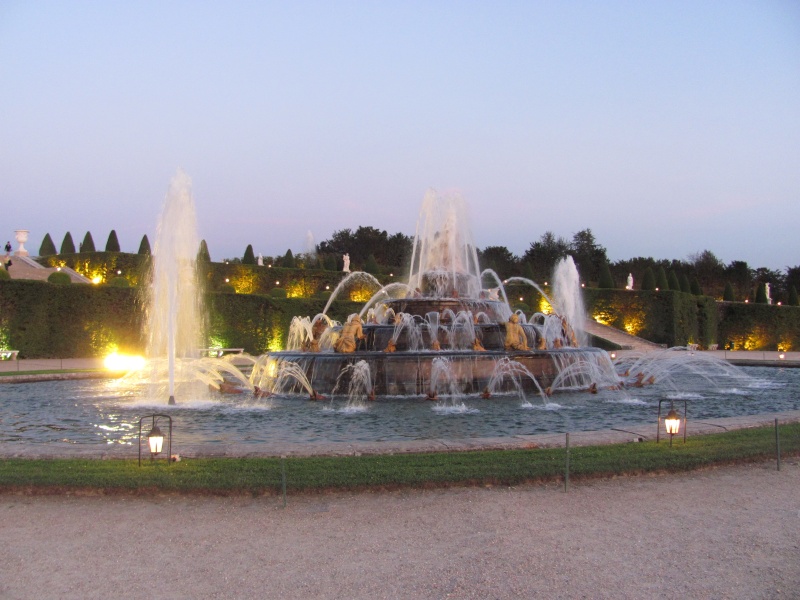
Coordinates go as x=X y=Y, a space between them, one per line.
x=62 y=416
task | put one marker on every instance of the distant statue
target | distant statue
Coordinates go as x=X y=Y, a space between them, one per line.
x=260 y=260
x=769 y=296
x=515 y=334
x=630 y=282
x=346 y=259
x=351 y=332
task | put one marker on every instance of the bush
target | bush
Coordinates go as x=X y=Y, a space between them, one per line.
x=661 y=280
x=277 y=292
x=674 y=284
x=144 y=246
x=67 y=246
x=686 y=287
x=695 y=287
x=48 y=248
x=88 y=243
x=226 y=288
x=288 y=260
x=728 y=295
x=119 y=282
x=648 y=280
x=4 y=275
x=202 y=253
x=112 y=245
x=249 y=258
x=606 y=281
x=59 y=278
x=371 y=266
x=761 y=294
x=793 y=301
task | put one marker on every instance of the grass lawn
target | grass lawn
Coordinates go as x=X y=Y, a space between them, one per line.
x=257 y=476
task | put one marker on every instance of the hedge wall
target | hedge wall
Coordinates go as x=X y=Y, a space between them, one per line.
x=758 y=326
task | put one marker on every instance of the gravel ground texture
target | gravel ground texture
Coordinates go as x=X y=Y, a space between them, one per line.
x=728 y=532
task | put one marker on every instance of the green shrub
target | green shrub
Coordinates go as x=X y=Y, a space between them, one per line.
x=277 y=292
x=686 y=287
x=144 y=246
x=120 y=282
x=793 y=300
x=4 y=274
x=648 y=280
x=371 y=266
x=88 y=243
x=59 y=278
x=202 y=253
x=674 y=284
x=761 y=294
x=249 y=258
x=324 y=294
x=288 y=260
x=728 y=295
x=606 y=281
x=661 y=279
x=695 y=287
x=67 y=246
x=112 y=245
x=226 y=288
x=48 y=248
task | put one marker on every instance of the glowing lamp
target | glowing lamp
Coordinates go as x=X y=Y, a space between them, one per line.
x=520 y=298
x=155 y=438
x=277 y=283
x=672 y=422
x=227 y=280
x=97 y=279
x=119 y=272
x=782 y=356
x=583 y=285
x=58 y=268
x=613 y=355
x=327 y=287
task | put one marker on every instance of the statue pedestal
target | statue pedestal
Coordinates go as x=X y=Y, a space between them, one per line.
x=21 y=237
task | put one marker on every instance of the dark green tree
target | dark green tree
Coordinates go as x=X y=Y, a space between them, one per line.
x=249 y=257
x=728 y=295
x=87 y=245
x=371 y=265
x=674 y=284
x=648 y=280
x=605 y=281
x=112 y=245
x=67 y=246
x=661 y=279
x=288 y=260
x=202 y=253
x=761 y=293
x=695 y=287
x=544 y=254
x=588 y=254
x=793 y=300
x=48 y=248
x=144 y=246
x=330 y=262
x=686 y=287
x=500 y=260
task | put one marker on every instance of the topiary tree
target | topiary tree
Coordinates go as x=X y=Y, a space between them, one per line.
x=4 y=274
x=112 y=245
x=686 y=287
x=249 y=258
x=59 y=278
x=226 y=288
x=761 y=294
x=793 y=300
x=202 y=252
x=674 y=284
x=728 y=295
x=371 y=266
x=661 y=279
x=67 y=246
x=87 y=245
x=288 y=260
x=144 y=246
x=648 y=280
x=277 y=292
x=330 y=262
x=605 y=281
x=48 y=248
x=695 y=287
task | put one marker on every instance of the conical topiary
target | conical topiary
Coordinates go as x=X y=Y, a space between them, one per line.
x=249 y=257
x=330 y=262
x=648 y=280
x=686 y=287
x=674 y=284
x=793 y=301
x=695 y=287
x=371 y=266
x=661 y=279
x=202 y=252
x=87 y=245
x=112 y=245
x=67 y=246
x=288 y=260
x=48 y=248
x=144 y=246
x=605 y=281
x=761 y=294
x=728 y=295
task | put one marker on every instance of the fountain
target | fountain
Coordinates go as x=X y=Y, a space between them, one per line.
x=445 y=333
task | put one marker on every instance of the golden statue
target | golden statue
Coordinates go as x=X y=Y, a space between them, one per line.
x=347 y=337
x=515 y=334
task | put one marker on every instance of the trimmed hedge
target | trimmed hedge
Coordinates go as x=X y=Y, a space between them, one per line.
x=748 y=326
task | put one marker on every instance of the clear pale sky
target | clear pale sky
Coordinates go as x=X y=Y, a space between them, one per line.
x=667 y=127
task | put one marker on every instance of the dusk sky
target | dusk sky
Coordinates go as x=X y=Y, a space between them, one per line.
x=666 y=127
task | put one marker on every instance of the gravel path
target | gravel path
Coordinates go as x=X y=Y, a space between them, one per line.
x=730 y=532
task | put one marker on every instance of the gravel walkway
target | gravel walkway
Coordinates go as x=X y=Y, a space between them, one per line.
x=731 y=532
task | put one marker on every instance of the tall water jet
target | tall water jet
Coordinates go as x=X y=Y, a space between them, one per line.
x=174 y=304
x=568 y=297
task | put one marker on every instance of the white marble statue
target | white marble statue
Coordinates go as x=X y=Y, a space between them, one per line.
x=769 y=296
x=346 y=267
x=260 y=260
x=630 y=282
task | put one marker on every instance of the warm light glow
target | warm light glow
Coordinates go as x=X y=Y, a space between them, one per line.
x=583 y=285
x=779 y=303
x=58 y=268
x=155 y=439
x=277 y=283
x=672 y=422
x=521 y=298
x=123 y=362
x=391 y=274
x=746 y=300
x=656 y=289
x=782 y=356
x=97 y=279
x=613 y=355
x=119 y=272
x=227 y=280
x=327 y=287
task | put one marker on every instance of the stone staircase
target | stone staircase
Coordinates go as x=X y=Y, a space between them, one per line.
x=24 y=267
x=620 y=338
